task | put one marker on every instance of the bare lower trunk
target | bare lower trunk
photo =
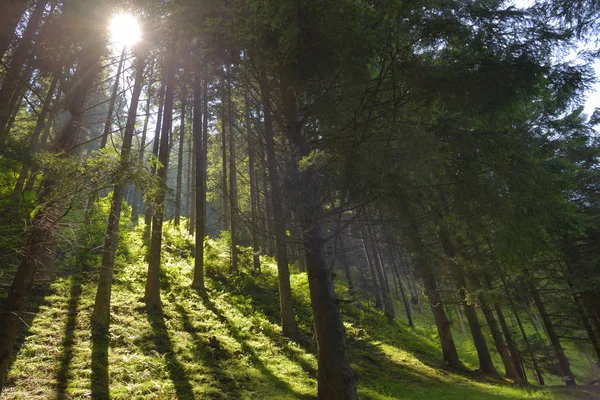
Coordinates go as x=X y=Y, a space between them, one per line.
x=179 y=185
x=152 y=291
x=563 y=361
x=233 y=201
x=514 y=353
x=288 y=320
x=336 y=378
x=198 y=281
x=501 y=347
x=101 y=313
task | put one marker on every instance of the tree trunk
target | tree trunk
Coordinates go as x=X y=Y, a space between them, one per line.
x=388 y=304
x=563 y=361
x=224 y=196
x=113 y=99
x=101 y=313
x=514 y=352
x=394 y=257
x=198 y=281
x=288 y=320
x=137 y=201
x=179 y=185
x=503 y=350
x=233 y=203
x=253 y=193
x=335 y=376
x=372 y=269
x=152 y=291
x=155 y=147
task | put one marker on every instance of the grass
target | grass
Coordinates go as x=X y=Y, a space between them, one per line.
x=225 y=344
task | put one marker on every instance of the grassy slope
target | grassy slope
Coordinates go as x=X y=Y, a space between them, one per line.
x=169 y=355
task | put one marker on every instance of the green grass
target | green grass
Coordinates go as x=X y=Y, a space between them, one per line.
x=169 y=355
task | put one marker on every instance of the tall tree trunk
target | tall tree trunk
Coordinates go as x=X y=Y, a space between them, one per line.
x=485 y=359
x=233 y=201
x=514 y=352
x=179 y=185
x=253 y=192
x=198 y=280
x=137 y=201
x=336 y=379
x=346 y=265
x=388 y=304
x=563 y=361
x=511 y=371
x=288 y=320
x=46 y=219
x=101 y=313
x=335 y=376
x=155 y=147
x=113 y=98
x=152 y=291
x=372 y=268
x=449 y=352
x=191 y=184
x=394 y=257
x=224 y=196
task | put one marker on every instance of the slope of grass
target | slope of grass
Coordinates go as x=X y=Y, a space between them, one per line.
x=222 y=345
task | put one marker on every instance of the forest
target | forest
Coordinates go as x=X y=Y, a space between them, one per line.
x=284 y=199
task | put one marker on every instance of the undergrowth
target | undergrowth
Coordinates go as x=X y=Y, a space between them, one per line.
x=224 y=344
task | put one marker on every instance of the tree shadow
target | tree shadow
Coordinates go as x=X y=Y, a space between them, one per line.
x=36 y=300
x=164 y=347
x=68 y=341
x=100 y=342
x=236 y=334
x=208 y=356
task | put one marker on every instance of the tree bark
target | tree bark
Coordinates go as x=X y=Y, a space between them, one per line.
x=288 y=320
x=111 y=104
x=152 y=291
x=155 y=147
x=179 y=185
x=501 y=347
x=514 y=352
x=372 y=269
x=198 y=280
x=101 y=313
x=233 y=201
x=137 y=201
x=256 y=250
x=563 y=361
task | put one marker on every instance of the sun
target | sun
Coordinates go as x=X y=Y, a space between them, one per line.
x=124 y=30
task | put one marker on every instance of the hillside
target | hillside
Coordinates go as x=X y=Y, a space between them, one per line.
x=226 y=345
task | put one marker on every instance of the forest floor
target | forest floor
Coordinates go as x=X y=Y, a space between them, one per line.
x=226 y=344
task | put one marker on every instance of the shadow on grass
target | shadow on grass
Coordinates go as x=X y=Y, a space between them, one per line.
x=100 y=341
x=164 y=347
x=36 y=300
x=206 y=355
x=274 y=381
x=68 y=341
